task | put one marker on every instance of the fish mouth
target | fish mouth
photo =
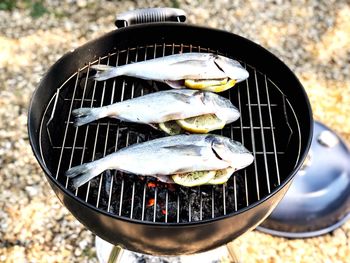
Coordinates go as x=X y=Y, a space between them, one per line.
x=243 y=75
x=242 y=160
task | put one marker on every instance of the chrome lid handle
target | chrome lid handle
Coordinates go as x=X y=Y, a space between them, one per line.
x=150 y=15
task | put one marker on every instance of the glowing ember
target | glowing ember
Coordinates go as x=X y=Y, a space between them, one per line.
x=151 y=184
x=150 y=202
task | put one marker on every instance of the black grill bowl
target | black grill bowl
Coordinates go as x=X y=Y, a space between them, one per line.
x=272 y=92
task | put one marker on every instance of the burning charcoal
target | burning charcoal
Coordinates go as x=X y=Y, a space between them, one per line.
x=172 y=211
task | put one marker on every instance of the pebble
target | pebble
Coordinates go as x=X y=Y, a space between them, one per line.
x=311 y=37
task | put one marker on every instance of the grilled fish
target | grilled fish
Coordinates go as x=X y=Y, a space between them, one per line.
x=194 y=70
x=162 y=106
x=166 y=156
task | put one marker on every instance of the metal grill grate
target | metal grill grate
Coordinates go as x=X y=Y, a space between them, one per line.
x=267 y=127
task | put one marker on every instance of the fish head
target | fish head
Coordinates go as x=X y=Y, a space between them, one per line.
x=223 y=107
x=232 y=152
x=232 y=68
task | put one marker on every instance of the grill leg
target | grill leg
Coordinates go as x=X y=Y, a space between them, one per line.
x=232 y=253
x=106 y=252
x=115 y=255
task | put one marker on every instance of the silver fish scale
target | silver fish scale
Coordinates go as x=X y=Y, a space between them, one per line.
x=260 y=102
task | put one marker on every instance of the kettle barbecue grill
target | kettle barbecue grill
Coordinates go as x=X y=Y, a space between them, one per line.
x=140 y=213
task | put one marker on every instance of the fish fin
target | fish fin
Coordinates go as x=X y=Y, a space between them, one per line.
x=188 y=97
x=83 y=173
x=75 y=171
x=199 y=63
x=104 y=72
x=190 y=150
x=182 y=97
x=86 y=115
x=175 y=84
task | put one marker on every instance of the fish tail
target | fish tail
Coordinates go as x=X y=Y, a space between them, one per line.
x=104 y=72
x=81 y=174
x=86 y=115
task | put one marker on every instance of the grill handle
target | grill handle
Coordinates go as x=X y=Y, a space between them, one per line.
x=150 y=15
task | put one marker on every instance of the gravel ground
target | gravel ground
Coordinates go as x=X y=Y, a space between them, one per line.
x=312 y=37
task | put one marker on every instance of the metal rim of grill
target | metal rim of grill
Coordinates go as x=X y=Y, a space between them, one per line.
x=261 y=103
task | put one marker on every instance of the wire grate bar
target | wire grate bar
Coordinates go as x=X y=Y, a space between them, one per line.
x=143 y=202
x=76 y=131
x=111 y=187
x=121 y=99
x=224 y=197
x=123 y=182
x=273 y=133
x=116 y=144
x=262 y=133
x=110 y=124
x=137 y=140
x=261 y=104
x=87 y=128
x=167 y=191
x=200 y=204
x=224 y=185
x=178 y=209
x=144 y=186
x=105 y=144
x=121 y=198
x=66 y=127
x=95 y=144
x=155 y=204
x=212 y=203
x=253 y=140
x=69 y=147
x=156 y=188
x=86 y=148
x=82 y=99
x=189 y=203
x=242 y=141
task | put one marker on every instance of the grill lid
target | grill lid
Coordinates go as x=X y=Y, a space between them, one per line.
x=318 y=200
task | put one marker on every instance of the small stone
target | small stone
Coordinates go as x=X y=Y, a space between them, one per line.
x=81 y=3
x=32 y=190
x=77 y=252
x=83 y=244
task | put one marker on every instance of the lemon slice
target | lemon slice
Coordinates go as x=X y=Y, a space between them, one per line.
x=202 y=124
x=221 y=176
x=221 y=88
x=210 y=85
x=201 y=84
x=171 y=127
x=193 y=178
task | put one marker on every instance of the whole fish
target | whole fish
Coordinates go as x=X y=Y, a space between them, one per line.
x=176 y=69
x=167 y=156
x=162 y=106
